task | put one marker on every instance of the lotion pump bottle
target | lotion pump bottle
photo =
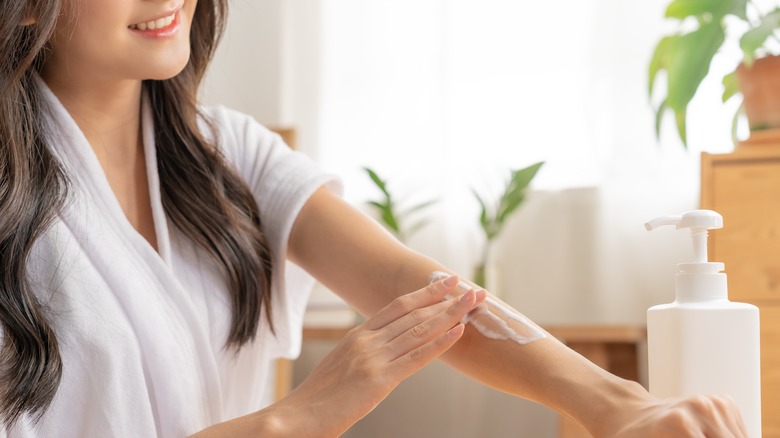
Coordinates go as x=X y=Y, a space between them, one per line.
x=702 y=343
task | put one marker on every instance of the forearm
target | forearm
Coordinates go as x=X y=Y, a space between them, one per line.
x=545 y=370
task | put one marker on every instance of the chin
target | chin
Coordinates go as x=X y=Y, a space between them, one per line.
x=169 y=69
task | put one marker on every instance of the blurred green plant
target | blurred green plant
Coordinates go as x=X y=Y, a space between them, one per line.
x=391 y=215
x=493 y=216
x=686 y=55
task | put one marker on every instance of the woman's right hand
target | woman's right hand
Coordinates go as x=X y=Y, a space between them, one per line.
x=373 y=358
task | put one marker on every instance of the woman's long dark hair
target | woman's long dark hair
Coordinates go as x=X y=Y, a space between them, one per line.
x=202 y=196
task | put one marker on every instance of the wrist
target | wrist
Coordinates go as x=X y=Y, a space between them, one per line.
x=288 y=418
x=611 y=404
x=270 y=422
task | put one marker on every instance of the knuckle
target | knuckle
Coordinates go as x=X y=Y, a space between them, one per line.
x=420 y=314
x=418 y=331
x=724 y=402
x=675 y=419
x=701 y=403
x=414 y=356
x=401 y=304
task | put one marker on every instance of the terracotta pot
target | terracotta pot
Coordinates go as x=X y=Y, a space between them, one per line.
x=760 y=87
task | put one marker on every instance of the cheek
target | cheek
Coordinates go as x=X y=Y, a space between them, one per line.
x=88 y=36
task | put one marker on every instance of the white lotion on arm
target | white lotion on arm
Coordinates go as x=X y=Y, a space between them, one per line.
x=494 y=319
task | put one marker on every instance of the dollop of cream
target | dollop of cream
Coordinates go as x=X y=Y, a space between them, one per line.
x=494 y=319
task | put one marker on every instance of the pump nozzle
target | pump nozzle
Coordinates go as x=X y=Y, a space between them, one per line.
x=698 y=221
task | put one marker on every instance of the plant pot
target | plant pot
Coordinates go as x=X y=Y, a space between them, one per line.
x=760 y=88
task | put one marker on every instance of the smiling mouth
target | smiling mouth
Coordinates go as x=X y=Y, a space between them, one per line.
x=157 y=24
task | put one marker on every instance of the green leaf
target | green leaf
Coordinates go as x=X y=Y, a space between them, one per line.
x=378 y=181
x=511 y=205
x=738 y=8
x=389 y=219
x=379 y=206
x=514 y=195
x=755 y=38
x=659 y=114
x=417 y=207
x=712 y=9
x=522 y=177
x=730 y=86
x=735 y=122
x=660 y=60
x=484 y=221
x=689 y=62
x=679 y=117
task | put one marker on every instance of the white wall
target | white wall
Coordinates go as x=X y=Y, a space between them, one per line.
x=246 y=73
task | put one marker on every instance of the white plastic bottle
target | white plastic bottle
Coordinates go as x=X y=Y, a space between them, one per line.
x=702 y=343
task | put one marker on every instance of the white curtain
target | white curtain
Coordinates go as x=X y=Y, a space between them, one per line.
x=445 y=96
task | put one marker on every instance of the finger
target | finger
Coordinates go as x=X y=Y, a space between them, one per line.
x=431 y=294
x=737 y=424
x=432 y=328
x=422 y=314
x=715 y=417
x=729 y=416
x=411 y=362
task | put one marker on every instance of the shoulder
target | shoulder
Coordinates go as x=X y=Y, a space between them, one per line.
x=236 y=128
x=246 y=144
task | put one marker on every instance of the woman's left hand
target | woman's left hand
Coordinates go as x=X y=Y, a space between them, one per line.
x=696 y=416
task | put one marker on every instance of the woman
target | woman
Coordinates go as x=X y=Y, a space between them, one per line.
x=144 y=287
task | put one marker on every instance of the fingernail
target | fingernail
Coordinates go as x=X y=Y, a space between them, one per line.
x=465 y=298
x=450 y=281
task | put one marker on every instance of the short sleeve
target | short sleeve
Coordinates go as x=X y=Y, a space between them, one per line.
x=282 y=180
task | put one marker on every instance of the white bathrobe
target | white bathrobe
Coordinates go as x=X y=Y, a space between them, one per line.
x=142 y=334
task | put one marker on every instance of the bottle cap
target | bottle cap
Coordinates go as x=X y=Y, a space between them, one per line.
x=700 y=279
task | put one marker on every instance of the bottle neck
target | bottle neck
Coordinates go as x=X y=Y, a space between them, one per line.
x=701 y=282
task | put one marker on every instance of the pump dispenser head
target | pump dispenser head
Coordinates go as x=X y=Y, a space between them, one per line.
x=699 y=279
x=698 y=221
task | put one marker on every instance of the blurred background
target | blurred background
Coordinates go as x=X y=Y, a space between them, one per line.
x=443 y=98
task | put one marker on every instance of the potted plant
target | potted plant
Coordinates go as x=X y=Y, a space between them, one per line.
x=390 y=213
x=494 y=215
x=686 y=56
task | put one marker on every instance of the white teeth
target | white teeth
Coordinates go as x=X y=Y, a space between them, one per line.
x=154 y=24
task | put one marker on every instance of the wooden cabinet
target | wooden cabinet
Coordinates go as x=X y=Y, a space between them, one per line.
x=744 y=187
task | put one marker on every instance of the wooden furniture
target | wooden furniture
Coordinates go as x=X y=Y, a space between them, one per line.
x=744 y=187
x=614 y=348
